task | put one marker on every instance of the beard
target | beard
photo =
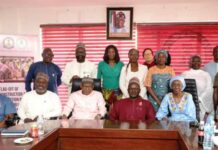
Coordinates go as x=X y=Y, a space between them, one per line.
x=133 y=96
x=80 y=58
x=40 y=91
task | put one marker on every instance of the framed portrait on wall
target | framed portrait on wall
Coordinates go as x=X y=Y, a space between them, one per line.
x=119 y=23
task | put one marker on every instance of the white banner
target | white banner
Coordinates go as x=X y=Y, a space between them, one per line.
x=17 y=53
x=13 y=90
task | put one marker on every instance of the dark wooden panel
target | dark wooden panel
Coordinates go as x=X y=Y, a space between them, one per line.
x=110 y=133
x=176 y=134
x=117 y=144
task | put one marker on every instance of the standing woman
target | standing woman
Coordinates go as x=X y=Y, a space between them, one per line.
x=133 y=69
x=109 y=71
x=204 y=85
x=158 y=78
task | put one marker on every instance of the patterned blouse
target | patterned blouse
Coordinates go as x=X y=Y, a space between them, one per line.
x=182 y=111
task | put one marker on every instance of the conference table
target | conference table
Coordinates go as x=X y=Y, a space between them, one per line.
x=106 y=134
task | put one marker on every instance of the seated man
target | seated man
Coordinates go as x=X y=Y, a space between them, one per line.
x=7 y=110
x=85 y=103
x=39 y=102
x=133 y=108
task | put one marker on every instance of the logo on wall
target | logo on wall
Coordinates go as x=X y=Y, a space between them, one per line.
x=21 y=43
x=8 y=43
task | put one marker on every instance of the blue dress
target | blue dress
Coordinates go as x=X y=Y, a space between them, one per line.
x=183 y=111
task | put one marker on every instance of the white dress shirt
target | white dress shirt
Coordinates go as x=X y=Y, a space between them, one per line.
x=32 y=105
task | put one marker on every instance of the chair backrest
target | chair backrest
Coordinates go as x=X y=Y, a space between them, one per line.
x=77 y=82
x=191 y=88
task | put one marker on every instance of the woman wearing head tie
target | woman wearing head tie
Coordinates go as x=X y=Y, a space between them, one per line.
x=179 y=103
x=157 y=79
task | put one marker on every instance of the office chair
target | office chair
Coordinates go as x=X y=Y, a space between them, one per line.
x=77 y=82
x=191 y=88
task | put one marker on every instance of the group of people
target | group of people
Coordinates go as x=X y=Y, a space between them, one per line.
x=130 y=92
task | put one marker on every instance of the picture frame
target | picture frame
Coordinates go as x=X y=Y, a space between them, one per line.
x=119 y=23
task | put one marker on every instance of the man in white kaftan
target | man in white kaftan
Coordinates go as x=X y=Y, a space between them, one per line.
x=39 y=102
x=204 y=85
x=78 y=68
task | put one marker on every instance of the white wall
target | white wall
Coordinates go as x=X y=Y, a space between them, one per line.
x=27 y=20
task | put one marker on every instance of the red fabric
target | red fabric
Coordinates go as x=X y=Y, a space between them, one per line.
x=112 y=98
x=149 y=65
x=132 y=110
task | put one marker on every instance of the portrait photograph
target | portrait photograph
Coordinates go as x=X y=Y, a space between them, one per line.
x=119 y=23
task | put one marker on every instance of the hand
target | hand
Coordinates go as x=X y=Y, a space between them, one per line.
x=64 y=117
x=158 y=102
x=74 y=77
x=9 y=116
x=27 y=120
x=35 y=119
x=98 y=116
x=2 y=124
x=165 y=119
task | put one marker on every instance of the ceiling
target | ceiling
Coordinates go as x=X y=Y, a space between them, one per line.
x=70 y=3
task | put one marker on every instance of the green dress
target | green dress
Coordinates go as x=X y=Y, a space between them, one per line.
x=110 y=76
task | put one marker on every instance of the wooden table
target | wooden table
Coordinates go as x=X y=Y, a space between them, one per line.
x=105 y=134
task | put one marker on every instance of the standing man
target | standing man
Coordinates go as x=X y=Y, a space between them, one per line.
x=52 y=70
x=78 y=68
x=39 y=102
x=134 y=108
x=212 y=66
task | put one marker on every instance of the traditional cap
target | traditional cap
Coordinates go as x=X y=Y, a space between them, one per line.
x=47 y=49
x=134 y=80
x=80 y=45
x=87 y=80
x=181 y=79
x=42 y=76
